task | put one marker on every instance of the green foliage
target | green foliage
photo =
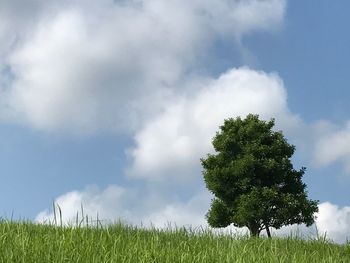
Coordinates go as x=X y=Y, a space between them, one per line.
x=253 y=179
x=26 y=242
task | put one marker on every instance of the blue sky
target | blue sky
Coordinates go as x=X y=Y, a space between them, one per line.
x=310 y=56
x=111 y=104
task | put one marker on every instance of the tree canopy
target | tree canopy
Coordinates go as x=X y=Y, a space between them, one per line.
x=253 y=180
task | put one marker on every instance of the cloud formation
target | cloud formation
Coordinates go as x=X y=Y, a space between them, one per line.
x=129 y=205
x=80 y=66
x=334 y=221
x=174 y=140
x=132 y=65
x=333 y=145
x=115 y=202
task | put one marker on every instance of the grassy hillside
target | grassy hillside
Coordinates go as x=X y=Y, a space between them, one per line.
x=27 y=242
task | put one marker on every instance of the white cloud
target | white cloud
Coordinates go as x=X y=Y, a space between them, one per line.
x=332 y=145
x=129 y=205
x=334 y=222
x=91 y=202
x=173 y=141
x=115 y=202
x=83 y=66
x=245 y=16
x=76 y=75
x=80 y=66
x=186 y=213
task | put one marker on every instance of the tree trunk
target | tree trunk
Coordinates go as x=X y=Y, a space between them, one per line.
x=267 y=230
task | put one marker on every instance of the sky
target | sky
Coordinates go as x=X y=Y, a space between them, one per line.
x=111 y=104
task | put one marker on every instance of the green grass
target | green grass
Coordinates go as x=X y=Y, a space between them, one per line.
x=28 y=242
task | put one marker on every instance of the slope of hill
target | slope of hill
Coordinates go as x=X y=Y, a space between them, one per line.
x=28 y=242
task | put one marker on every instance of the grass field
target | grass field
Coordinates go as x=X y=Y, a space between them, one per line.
x=28 y=242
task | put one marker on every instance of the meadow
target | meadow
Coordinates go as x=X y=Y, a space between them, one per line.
x=29 y=242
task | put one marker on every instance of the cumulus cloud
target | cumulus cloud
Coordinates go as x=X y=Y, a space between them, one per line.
x=119 y=203
x=173 y=141
x=109 y=204
x=332 y=145
x=334 y=222
x=129 y=205
x=76 y=75
x=82 y=66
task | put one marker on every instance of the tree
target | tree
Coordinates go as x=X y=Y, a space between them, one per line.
x=253 y=179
